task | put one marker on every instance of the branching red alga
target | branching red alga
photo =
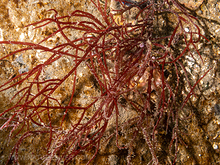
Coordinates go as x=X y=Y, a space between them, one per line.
x=128 y=59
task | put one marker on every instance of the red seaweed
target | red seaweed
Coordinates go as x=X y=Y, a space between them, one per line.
x=125 y=59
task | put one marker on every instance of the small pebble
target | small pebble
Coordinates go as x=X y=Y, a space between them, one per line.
x=215 y=147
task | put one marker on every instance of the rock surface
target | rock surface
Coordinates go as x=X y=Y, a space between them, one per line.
x=201 y=131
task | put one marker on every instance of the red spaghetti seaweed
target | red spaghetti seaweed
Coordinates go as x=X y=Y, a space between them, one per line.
x=128 y=62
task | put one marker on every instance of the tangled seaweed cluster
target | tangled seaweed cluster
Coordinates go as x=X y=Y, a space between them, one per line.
x=135 y=66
